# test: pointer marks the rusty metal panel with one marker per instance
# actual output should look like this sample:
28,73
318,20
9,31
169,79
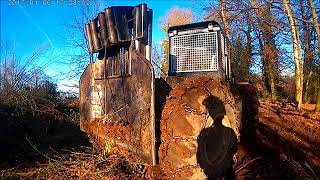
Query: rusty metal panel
89,38
116,66
119,110
110,26
95,35
103,30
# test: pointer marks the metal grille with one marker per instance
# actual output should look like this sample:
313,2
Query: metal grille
119,64
195,52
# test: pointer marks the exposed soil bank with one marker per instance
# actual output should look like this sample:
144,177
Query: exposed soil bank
286,145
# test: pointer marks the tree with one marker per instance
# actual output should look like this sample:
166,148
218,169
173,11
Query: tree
224,18
175,16
236,21
308,55
317,29
24,85
266,24
260,32
297,53
75,38
315,22
240,56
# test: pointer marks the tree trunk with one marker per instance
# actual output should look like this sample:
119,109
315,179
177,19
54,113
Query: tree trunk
317,28
300,63
269,51
308,58
318,99
315,22
224,18
165,63
249,44
297,53
307,88
273,88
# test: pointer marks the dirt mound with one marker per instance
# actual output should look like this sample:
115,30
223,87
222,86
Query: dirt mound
285,146
199,129
111,137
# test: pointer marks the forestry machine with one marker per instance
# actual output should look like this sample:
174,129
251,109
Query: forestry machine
187,121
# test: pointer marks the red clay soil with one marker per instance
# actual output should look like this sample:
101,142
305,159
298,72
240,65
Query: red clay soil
109,134
286,146
286,143
183,119
295,133
175,107
117,138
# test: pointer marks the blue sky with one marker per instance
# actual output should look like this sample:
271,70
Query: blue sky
27,26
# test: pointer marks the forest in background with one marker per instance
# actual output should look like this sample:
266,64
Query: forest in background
273,44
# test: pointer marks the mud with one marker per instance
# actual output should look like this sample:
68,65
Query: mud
185,116
113,137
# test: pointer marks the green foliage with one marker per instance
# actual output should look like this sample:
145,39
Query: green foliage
108,147
266,94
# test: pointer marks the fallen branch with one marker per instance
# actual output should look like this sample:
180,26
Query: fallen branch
34,147
245,165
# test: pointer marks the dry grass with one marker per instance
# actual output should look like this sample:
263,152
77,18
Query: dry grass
79,165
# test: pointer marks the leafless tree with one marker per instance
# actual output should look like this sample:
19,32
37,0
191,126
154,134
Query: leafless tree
24,84
175,16
77,55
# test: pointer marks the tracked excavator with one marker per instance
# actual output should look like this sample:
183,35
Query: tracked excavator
187,121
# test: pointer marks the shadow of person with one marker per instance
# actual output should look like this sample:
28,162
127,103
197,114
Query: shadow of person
216,143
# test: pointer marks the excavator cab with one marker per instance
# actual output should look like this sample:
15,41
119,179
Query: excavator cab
198,48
